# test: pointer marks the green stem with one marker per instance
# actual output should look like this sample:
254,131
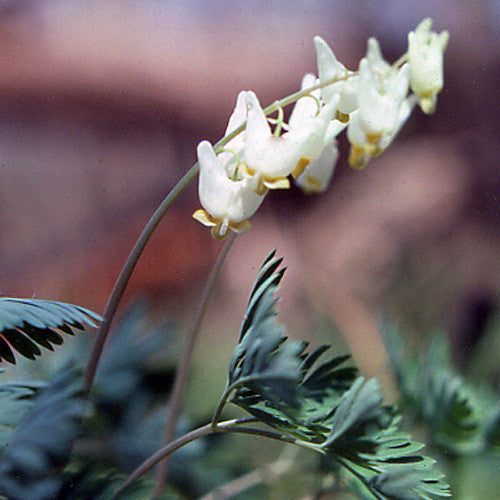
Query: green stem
148,230
182,372
279,124
354,472
230,388
126,272
220,406
229,426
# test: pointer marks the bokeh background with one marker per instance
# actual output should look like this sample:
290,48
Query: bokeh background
102,105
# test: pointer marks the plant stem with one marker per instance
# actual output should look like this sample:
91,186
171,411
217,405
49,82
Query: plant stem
354,472
126,272
220,406
182,372
229,426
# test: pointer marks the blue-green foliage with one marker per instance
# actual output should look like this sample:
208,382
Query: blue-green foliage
459,419
39,423
322,403
15,399
28,324
39,446
131,394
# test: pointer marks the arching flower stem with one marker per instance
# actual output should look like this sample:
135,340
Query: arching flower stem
228,426
187,355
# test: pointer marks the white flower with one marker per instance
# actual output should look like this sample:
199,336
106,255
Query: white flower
318,174
404,113
227,203
425,56
347,88
272,159
360,154
308,106
379,67
382,92
235,147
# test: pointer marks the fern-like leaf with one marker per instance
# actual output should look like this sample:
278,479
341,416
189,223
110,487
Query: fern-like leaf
434,392
41,442
28,324
273,377
321,404
364,433
15,399
262,362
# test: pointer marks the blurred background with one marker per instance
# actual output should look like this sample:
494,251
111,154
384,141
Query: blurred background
102,105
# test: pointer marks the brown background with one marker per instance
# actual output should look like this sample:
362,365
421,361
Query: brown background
102,105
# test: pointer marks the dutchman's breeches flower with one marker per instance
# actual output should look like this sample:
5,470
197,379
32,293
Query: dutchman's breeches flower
378,115
318,173
373,103
425,56
272,159
227,203
233,150
347,86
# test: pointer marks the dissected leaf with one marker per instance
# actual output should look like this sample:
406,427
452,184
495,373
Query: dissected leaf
365,433
435,393
274,377
42,440
15,399
26,324
410,483
263,363
319,402
355,407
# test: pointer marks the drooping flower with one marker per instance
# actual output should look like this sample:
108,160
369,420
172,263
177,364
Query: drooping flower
233,150
425,56
227,204
382,93
308,106
318,173
347,86
379,67
359,155
272,159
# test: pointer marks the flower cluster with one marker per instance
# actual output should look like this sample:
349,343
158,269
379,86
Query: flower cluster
373,103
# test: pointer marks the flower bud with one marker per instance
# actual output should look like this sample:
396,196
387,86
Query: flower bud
425,56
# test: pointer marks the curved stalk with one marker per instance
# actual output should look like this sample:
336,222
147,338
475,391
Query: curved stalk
229,426
220,406
182,372
354,472
126,272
